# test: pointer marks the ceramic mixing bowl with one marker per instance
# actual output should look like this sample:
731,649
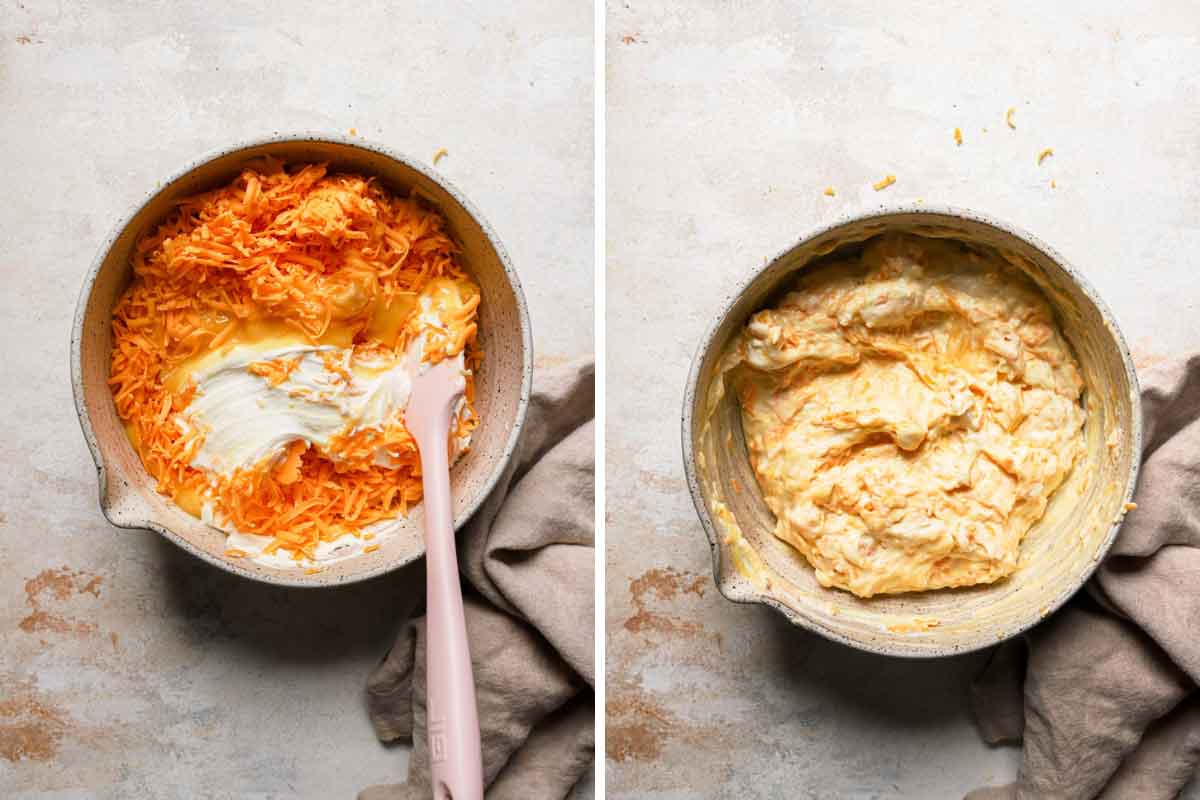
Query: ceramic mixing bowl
1058,554
127,495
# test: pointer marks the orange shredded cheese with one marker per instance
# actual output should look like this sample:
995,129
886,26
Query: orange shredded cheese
958,137
277,371
289,471
828,191
440,154
303,250
887,181
1042,156
1008,118
371,548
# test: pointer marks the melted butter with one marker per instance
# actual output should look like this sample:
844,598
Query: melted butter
132,433
908,416
266,334
447,298
390,317
368,370
190,500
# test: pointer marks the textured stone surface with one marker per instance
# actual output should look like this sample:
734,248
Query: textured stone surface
126,668
726,122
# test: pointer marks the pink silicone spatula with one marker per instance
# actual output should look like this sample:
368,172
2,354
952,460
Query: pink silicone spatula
453,720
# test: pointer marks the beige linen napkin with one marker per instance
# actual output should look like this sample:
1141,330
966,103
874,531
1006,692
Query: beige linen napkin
529,554
1103,694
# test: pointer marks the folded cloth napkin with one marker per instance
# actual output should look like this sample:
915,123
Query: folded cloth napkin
1103,694
529,554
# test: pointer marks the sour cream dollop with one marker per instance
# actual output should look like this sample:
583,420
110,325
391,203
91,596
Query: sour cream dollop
248,421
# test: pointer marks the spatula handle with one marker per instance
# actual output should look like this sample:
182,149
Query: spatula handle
453,722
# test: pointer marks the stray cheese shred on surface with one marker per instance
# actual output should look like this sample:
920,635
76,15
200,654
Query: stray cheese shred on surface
909,412
883,183
263,355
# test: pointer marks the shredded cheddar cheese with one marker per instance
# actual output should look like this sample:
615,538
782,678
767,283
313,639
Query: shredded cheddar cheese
275,372
880,185
958,137
1008,118
828,191
440,154
1042,156
328,258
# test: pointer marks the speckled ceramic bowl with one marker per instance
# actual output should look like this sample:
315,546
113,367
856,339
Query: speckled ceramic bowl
127,495
1058,554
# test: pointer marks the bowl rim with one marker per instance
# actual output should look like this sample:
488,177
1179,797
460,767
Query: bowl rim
249,143
894,646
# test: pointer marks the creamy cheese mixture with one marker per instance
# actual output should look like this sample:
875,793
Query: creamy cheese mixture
909,413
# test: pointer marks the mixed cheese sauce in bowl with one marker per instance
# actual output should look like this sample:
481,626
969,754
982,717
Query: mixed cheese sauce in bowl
914,433
259,323
909,413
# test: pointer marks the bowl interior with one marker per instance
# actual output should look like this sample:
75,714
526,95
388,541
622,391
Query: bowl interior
127,491
1056,556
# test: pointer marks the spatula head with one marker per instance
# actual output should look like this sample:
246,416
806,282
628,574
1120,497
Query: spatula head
436,390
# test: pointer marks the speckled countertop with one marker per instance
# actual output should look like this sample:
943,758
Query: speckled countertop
128,669
726,122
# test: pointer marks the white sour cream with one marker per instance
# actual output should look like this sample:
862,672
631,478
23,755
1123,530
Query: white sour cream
246,421
249,423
